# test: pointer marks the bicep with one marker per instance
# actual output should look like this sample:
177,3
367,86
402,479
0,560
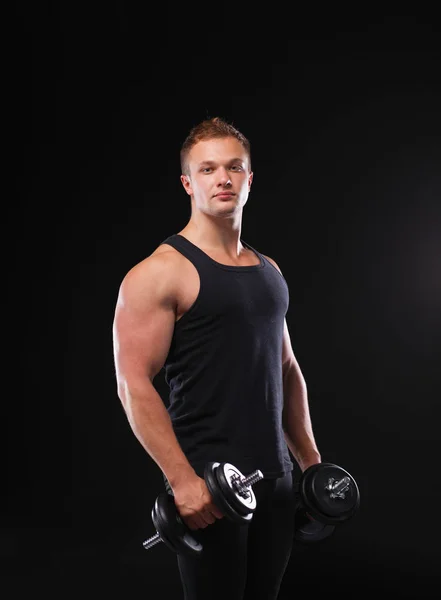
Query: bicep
142,328
289,360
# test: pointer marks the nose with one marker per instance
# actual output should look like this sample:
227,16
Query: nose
224,178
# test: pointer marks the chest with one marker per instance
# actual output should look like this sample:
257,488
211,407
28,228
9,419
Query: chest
223,293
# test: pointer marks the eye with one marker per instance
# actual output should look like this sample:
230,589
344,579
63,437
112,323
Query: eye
206,169
237,168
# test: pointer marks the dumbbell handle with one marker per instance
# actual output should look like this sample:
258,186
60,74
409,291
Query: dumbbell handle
152,541
338,488
242,484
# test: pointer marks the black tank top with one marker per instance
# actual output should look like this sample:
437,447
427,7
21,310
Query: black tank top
224,367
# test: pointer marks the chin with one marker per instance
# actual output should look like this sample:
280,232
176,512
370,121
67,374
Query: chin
225,211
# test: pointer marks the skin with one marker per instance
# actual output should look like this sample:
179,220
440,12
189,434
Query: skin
155,294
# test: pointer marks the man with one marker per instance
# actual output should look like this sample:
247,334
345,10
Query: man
211,310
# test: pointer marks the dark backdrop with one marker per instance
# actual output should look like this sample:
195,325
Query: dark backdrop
343,114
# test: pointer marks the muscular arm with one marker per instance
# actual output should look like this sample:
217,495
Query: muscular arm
142,332
296,416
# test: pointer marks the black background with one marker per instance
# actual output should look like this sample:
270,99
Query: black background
343,115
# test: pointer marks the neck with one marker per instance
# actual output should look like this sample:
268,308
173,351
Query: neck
214,233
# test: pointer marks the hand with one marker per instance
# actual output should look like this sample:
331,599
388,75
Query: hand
308,461
195,503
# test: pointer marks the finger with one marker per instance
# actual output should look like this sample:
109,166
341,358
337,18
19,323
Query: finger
216,512
193,523
196,521
192,520
208,517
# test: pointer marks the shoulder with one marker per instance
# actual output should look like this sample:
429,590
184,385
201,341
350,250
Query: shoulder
273,262
157,273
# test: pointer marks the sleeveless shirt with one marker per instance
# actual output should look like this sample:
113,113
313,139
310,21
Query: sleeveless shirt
224,366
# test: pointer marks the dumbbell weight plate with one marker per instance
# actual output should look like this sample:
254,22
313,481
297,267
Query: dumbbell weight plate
318,500
226,473
310,531
219,498
172,530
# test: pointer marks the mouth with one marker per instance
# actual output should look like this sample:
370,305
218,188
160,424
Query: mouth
224,195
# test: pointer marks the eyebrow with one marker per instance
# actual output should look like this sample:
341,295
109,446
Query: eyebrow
212,162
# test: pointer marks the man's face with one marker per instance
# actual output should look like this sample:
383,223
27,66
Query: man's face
220,177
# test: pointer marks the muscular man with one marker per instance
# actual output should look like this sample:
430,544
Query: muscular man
211,310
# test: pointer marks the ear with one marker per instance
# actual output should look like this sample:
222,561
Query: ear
185,180
250,180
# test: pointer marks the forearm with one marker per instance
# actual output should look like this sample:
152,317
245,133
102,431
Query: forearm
151,424
297,423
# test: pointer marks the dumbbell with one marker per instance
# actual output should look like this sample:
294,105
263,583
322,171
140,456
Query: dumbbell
327,496
170,528
232,493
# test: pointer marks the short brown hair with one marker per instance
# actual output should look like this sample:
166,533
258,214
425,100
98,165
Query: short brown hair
215,127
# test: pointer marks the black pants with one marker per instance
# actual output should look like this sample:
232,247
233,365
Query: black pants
244,562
